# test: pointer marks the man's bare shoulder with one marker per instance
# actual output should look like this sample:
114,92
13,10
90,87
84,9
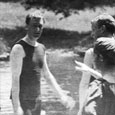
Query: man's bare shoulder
41,45
18,50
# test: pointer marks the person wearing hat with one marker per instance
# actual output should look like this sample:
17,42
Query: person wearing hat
28,65
100,95
102,26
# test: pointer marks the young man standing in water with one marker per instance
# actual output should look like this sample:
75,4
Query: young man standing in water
28,65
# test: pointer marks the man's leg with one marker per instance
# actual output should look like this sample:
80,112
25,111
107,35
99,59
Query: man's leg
29,107
37,108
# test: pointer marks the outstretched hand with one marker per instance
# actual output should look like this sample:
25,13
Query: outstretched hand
81,66
19,111
68,102
84,68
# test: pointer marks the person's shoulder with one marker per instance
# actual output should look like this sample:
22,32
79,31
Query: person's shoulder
89,51
41,45
89,56
17,49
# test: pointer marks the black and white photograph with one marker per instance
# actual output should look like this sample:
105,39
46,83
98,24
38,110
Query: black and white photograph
57,57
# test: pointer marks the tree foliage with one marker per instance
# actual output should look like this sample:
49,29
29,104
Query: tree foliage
64,6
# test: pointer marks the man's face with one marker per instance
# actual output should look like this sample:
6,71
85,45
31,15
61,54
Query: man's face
95,31
35,27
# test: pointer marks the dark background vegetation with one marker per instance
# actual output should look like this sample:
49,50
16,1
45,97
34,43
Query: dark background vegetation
64,6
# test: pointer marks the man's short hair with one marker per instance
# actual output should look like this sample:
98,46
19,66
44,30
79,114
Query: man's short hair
35,14
107,20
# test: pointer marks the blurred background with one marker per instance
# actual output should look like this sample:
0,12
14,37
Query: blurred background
66,36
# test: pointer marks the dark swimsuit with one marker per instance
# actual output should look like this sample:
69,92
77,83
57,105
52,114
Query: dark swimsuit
30,76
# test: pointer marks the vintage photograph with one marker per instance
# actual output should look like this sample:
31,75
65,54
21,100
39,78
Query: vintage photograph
57,57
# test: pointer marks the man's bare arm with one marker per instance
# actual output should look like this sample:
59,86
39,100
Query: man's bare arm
66,100
83,67
16,58
50,79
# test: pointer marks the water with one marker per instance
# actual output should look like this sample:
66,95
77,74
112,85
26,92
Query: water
5,86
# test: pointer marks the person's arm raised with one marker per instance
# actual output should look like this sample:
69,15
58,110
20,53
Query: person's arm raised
84,68
16,60
85,79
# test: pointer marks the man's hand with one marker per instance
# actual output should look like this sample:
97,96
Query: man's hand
19,111
81,67
84,68
68,101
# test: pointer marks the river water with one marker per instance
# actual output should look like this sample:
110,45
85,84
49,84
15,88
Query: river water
5,86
